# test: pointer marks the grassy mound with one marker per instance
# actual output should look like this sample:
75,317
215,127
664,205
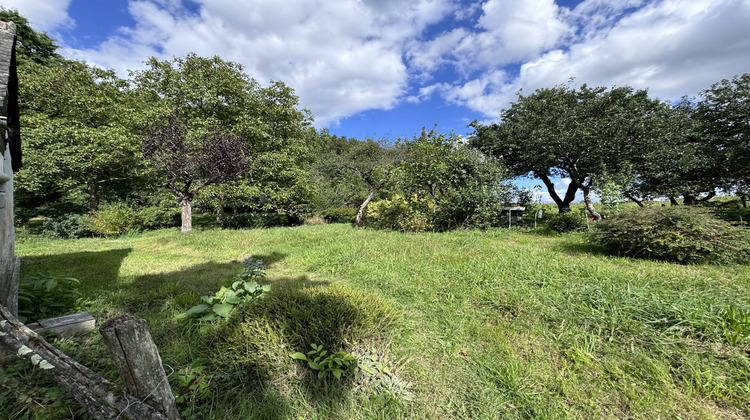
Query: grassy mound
259,339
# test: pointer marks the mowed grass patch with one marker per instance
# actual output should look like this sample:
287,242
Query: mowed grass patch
496,324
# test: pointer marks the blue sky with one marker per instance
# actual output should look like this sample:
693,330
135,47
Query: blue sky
386,68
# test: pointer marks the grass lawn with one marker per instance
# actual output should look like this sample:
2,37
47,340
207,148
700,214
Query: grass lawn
497,324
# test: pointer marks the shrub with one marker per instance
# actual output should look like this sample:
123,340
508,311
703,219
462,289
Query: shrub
259,336
340,214
156,217
69,226
565,222
688,235
314,220
44,296
114,219
400,213
255,220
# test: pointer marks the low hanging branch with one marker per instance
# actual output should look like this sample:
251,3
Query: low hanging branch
101,398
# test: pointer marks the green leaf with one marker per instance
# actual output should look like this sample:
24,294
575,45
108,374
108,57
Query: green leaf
251,287
232,297
207,317
223,309
299,356
337,373
197,309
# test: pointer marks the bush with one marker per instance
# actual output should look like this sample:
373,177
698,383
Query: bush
114,219
259,337
399,213
315,220
69,226
565,222
340,214
687,235
44,296
156,217
255,220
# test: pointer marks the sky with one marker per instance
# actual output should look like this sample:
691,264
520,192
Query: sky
387,68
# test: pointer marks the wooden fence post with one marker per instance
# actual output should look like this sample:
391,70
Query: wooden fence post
10,271
138,362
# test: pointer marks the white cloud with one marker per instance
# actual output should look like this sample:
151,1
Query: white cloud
671,47
44,15
506,32
341,57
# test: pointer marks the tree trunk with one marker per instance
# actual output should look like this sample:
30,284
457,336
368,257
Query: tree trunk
673,201
92,187
689,199
138,362
710,195
743,198
563,205
635,200
187,215
589,204
101,398
361,211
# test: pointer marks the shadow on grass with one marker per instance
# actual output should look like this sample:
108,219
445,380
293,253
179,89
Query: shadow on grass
97,270
583,248
257,344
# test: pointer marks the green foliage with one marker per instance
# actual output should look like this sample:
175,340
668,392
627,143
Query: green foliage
565,222
69,226
114,219
80,143
245,288
255,220
326,363
461,185
735,325
30,44
194,385
295,317
339,214
683,234
44,295
156,217
401,214
583,133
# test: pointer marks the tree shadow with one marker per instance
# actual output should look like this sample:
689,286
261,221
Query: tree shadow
583,248
96,270
299,310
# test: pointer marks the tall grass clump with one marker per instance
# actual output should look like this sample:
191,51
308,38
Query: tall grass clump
681,234
260,336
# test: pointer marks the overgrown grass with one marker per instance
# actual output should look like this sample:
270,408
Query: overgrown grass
496,324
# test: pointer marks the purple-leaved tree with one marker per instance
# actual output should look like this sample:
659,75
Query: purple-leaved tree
189,166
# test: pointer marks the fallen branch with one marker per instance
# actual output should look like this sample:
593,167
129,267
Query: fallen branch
101,398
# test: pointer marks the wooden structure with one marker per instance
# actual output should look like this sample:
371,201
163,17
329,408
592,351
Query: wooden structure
10,147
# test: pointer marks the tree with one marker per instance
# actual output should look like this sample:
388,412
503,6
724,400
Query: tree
31,45
354,171
214,95
588,135
682,163
78,130
189,165
462,184
724,115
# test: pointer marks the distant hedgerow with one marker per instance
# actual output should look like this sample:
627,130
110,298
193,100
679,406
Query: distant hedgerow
687,235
